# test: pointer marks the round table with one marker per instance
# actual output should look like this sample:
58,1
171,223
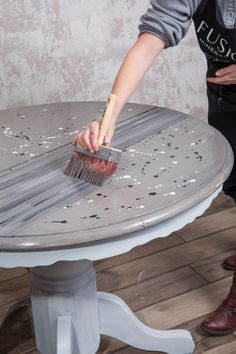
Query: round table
172,167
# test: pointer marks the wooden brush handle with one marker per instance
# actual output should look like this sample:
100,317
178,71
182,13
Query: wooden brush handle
106,118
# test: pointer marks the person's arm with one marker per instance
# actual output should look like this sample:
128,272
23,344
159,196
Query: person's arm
163,25
137,62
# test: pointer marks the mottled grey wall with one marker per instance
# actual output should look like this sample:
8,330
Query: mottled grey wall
70,50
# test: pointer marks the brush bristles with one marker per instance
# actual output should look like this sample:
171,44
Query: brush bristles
90,169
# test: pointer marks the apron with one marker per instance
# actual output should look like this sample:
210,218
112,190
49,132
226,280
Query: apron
219,46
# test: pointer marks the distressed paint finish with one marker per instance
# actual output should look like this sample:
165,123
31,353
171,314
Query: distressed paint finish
170,163
70,50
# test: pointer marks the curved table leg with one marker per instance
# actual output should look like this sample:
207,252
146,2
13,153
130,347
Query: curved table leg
64,335
118,321
69,315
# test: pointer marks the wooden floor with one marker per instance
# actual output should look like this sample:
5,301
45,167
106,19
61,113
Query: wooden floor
170,283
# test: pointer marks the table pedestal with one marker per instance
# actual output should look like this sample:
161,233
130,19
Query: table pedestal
69,315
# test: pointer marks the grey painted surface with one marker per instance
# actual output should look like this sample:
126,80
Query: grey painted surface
65,50
170,163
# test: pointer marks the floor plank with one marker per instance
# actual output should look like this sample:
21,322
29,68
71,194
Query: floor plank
139,252
207,225
222,202
228,348
185,307
156,264
14,289
168,285
28,347
211,268
7,274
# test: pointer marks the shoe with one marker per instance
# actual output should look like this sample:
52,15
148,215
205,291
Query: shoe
223,320
17,326
229,263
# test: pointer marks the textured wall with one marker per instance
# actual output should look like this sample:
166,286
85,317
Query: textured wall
70,50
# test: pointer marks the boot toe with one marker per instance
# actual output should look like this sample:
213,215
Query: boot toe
229,262
219,323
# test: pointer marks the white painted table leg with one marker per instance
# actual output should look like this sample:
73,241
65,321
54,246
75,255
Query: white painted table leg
64,335
69,315
118,321
65,308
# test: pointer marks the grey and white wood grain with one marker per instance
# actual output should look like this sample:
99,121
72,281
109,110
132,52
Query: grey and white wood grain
170,163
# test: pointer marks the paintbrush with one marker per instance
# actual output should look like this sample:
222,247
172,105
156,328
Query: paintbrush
96,168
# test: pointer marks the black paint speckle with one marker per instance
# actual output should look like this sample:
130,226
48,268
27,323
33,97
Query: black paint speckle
22,136
59,221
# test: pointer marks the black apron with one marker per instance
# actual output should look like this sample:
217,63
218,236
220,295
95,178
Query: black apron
219,46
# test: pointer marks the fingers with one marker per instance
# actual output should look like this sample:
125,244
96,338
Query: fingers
228,70
225,76
85,140
225,80
78,140
109,135
228,79
88,138
93,135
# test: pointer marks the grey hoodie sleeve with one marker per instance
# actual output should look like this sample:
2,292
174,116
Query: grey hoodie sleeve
169,19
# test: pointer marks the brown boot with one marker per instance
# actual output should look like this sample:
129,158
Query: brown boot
223,320
229,263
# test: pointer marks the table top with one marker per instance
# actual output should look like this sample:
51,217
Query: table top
170,162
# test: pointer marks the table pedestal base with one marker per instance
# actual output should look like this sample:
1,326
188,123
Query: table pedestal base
69,315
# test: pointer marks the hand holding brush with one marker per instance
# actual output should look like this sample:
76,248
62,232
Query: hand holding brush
93,136
99,166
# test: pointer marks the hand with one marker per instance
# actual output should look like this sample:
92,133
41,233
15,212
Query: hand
88,138
225,76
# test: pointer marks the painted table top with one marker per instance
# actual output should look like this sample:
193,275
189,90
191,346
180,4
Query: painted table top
170,162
